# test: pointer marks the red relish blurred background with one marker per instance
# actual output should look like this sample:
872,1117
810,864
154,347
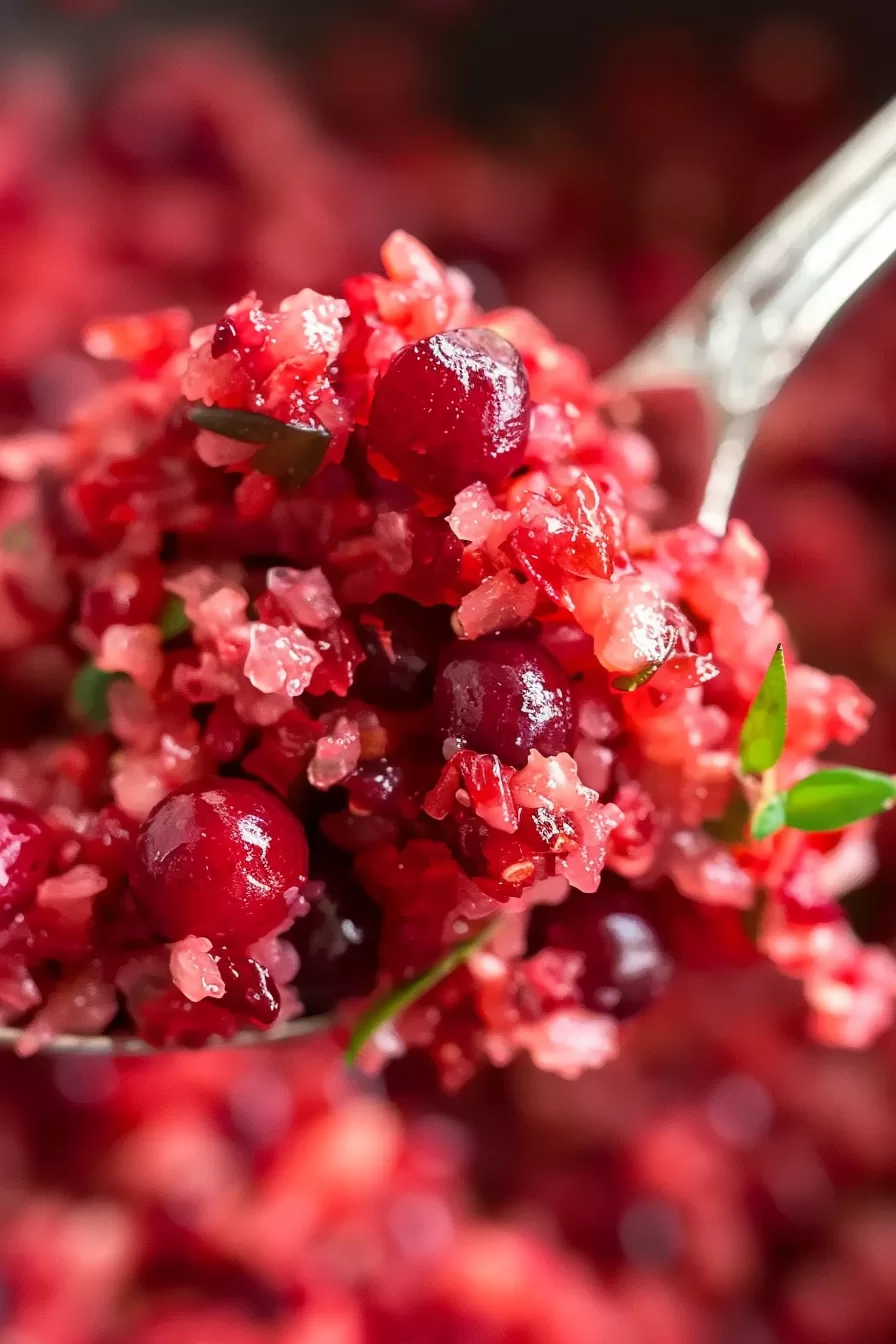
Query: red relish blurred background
724,1181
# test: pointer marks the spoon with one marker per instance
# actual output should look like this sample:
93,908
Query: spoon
704,377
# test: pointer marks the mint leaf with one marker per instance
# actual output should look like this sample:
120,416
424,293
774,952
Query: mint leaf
173,620
89,694
402,996
832,799
765,727
288,450
769,818
637,679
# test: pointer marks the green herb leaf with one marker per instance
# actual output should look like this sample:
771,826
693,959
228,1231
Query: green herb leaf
89,694
831,799
765,727
173,620
769,818
637,679
290,451
394,1003
731,826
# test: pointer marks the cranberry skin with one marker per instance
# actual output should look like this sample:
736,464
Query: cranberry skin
450,410
505,696
249,988
26,848
626,967
216,858
401,642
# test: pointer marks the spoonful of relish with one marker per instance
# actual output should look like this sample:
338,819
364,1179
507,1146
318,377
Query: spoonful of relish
391,708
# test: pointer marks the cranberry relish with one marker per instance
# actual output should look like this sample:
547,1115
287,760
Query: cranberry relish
388,707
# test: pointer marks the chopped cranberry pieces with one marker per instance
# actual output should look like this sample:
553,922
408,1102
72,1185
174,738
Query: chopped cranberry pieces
321,549
217,858
249,988
450,410
504,696
26,848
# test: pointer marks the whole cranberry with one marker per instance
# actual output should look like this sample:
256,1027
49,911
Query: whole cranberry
380,789
626,967
401,642
505,696
216,858
26,847
337,941
450,410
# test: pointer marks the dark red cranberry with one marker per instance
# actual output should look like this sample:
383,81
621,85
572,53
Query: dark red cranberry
26,848
130,598
338,942
380,789
626,967
225,339
450,410
504,696
249,988
401,642
216,858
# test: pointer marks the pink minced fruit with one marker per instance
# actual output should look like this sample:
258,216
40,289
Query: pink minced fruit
382,651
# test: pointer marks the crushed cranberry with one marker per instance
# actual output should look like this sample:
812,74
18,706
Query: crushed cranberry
26,849
249,988
451,649
506,696
450,410
731,1181
219,858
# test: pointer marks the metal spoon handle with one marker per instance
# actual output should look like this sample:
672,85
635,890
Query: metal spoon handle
749,324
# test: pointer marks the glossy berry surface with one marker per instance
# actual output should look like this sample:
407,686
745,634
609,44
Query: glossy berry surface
401,642
249,988
504,696
626,967
450,410
26,847
217,858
